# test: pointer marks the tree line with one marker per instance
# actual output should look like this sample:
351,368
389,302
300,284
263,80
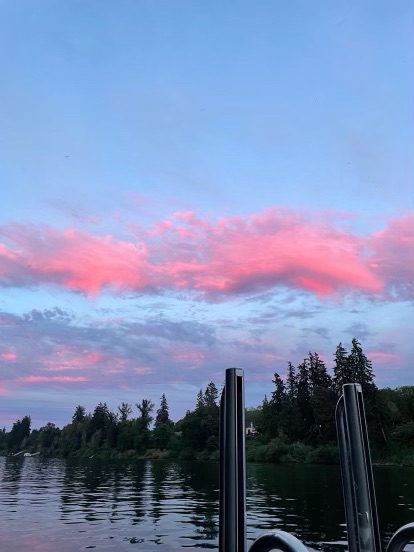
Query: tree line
295,423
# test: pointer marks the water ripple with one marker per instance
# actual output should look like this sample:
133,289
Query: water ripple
93,504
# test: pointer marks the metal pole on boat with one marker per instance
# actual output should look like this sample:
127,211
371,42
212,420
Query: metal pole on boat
232,530
356,469
232,516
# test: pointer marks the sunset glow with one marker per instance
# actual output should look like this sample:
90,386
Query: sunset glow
203,191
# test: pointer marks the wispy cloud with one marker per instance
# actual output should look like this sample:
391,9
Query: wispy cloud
383,357
54,350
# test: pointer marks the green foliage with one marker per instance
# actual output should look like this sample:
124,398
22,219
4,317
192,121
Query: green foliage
404,434
296,425
162,434
297,452
276,449
187,454
19,434
254,416
162,413
408,461
163,430
79,414
124,411
257,453
326,454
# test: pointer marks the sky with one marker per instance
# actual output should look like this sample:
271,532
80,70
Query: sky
187,186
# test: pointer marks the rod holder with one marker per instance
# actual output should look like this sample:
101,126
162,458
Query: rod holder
232,528
356,470
232,516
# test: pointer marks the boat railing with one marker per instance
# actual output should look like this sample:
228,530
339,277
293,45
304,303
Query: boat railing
356,470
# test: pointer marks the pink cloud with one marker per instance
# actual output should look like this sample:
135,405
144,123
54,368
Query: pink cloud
69,358
189,356
393,255
73,259
384,358
143,370
52,379
11,357
216,258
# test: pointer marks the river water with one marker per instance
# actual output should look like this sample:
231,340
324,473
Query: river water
71,505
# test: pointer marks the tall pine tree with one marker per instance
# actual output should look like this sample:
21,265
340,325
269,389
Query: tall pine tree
291,381
342,370
361,367
318,375
162,416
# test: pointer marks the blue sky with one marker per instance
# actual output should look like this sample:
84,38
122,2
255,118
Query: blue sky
187,186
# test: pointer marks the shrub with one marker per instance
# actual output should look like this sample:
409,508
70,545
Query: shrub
257,454
323,455
296,452
186,454
404,434
275,450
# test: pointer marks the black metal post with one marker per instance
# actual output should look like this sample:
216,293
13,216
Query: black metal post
232,529
357,479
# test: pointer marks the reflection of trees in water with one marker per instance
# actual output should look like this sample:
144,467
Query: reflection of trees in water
395,498
160,470
84,488
97,488
141,477
305,500
200,486
12,474
34,475
317,513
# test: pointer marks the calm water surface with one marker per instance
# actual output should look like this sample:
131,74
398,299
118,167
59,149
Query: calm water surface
70,505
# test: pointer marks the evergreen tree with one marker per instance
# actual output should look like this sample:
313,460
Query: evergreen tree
19,433
210,417
79,414
361,367
100,417
323,402
291,381
266,417
163,429
273,408
279,394
49,438
200,428
304,393
342,370
211,395
318,375
200,401
102,428
162,416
